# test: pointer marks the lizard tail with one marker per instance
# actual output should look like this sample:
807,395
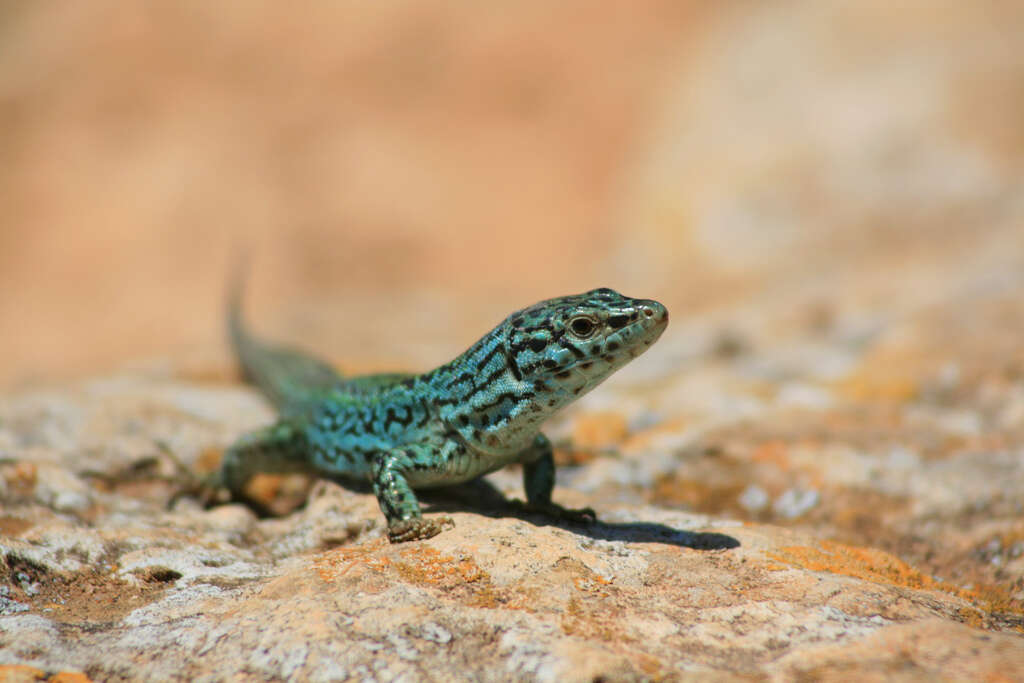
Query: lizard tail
287,377
236,327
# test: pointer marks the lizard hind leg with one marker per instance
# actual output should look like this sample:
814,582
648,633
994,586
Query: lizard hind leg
281,448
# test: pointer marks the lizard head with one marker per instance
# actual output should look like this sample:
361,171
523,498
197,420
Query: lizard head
568,345
538,360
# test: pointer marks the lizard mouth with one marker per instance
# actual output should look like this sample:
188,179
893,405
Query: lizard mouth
641,334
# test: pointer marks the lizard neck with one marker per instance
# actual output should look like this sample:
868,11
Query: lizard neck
483,396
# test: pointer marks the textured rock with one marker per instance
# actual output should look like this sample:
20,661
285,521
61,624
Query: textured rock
126,588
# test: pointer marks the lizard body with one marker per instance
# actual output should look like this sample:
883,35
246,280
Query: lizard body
468,417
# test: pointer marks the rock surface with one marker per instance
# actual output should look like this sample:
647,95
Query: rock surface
102,578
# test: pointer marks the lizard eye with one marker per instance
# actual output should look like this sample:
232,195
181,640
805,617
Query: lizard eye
582,327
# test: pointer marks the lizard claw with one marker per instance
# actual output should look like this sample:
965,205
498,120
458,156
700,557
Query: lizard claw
208,488
418,529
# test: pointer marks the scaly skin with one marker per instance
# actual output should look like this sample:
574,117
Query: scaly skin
471,416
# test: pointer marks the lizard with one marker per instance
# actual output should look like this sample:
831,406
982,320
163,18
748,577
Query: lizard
466,418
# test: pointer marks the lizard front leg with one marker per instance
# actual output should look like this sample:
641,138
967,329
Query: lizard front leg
539,480
390,471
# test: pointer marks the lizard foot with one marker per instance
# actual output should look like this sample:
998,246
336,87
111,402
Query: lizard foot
208,489
581,516
418,529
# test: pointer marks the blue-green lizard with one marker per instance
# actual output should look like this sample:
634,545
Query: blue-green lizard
466,418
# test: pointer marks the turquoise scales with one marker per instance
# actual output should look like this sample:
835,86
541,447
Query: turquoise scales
471,416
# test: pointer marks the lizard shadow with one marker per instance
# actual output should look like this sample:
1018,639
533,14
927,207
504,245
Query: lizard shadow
482,498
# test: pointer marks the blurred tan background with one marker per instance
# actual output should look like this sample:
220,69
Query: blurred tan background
405,174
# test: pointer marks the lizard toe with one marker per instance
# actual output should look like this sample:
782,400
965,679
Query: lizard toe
418,529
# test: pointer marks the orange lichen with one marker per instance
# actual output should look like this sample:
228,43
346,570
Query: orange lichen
417,564
971,616
70,677
881,567
997,677
591,584
772,453
335,564
586,583
20,477
427,565
19,672
998,602
650,665
869,564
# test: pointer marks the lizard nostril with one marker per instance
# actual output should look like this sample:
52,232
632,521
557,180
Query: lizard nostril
647,311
